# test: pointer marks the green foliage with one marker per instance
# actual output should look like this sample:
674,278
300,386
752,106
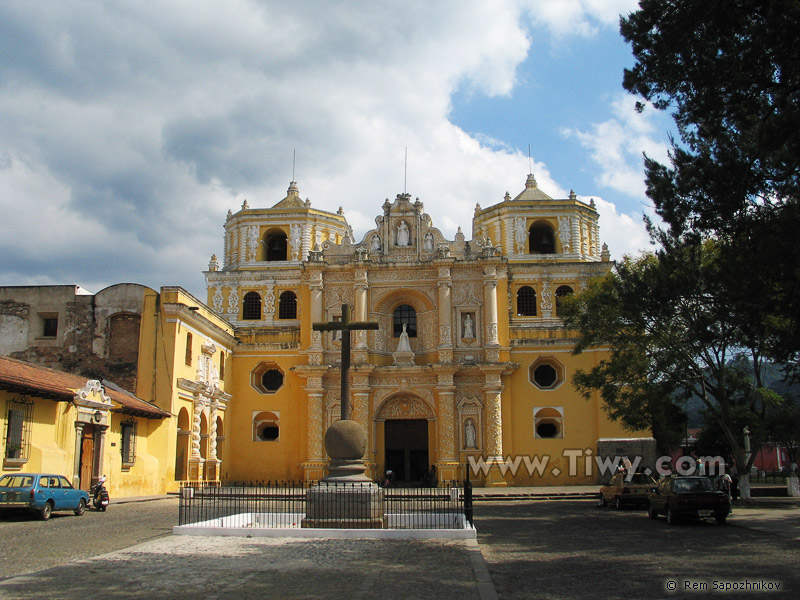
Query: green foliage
729,73
671,335
784,428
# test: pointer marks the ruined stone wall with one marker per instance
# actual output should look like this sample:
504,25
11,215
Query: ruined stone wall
98,335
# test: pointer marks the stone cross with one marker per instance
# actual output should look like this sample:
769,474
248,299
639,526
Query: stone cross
345,326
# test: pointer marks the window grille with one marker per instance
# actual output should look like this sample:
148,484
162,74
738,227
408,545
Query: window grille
251,306
405,314
19,419
287,306
526,301
128,442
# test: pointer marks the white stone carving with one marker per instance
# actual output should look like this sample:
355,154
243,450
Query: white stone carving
403,238
520,235
252,243
564,233
233,301
217,300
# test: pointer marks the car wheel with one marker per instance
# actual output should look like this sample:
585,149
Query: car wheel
652,512
81,507
617,503
671,517
46,511
721,518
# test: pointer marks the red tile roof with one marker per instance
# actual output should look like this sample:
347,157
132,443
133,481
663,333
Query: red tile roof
25,378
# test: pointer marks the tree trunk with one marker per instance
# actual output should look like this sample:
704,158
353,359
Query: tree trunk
744,486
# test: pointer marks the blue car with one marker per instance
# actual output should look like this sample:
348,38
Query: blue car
41,493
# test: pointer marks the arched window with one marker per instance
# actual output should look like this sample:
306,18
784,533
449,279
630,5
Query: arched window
266,426
251,306
287,305
548,422
405,314
276,246
562,291
541,239
526,301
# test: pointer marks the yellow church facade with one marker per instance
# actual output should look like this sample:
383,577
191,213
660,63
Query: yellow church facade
470,365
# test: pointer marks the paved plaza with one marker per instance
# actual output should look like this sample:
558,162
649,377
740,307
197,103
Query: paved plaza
526,548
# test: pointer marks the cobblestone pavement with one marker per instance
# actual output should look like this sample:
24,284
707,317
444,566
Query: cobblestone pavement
29,544
180,567
534,548
574,549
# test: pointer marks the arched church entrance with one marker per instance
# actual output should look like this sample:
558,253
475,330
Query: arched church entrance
406,421
406,442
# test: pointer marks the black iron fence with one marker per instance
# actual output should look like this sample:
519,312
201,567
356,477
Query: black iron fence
325,505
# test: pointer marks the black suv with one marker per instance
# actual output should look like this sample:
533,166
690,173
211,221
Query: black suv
695,497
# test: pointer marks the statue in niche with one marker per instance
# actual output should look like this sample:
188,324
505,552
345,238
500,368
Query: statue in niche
402,234
469,329
404,345
470,435
428,243
375,244
403,356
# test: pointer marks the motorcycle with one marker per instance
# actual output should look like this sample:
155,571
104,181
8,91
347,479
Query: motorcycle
100,494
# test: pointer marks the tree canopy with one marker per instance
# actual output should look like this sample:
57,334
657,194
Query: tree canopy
729,73
671,334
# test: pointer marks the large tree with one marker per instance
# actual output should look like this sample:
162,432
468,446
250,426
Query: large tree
670,332
729,73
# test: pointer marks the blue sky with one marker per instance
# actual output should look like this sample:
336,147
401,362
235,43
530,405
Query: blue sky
128,130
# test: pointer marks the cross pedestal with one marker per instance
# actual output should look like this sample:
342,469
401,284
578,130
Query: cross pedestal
346,498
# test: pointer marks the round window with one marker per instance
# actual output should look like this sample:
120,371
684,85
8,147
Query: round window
272,380
545,376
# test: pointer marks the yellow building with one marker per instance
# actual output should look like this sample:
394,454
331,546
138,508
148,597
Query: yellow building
56,422
483,373
470,365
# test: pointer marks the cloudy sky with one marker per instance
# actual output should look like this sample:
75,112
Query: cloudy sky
128,129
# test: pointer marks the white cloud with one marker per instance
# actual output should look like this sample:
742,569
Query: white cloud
624,233
130,129
577,17
617,145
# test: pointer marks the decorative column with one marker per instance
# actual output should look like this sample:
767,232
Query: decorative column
195,458
490,304
316,292
575,234
493,419
448,461
360,392
212,463
445,316
242,244
361,288
306,244
314,466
